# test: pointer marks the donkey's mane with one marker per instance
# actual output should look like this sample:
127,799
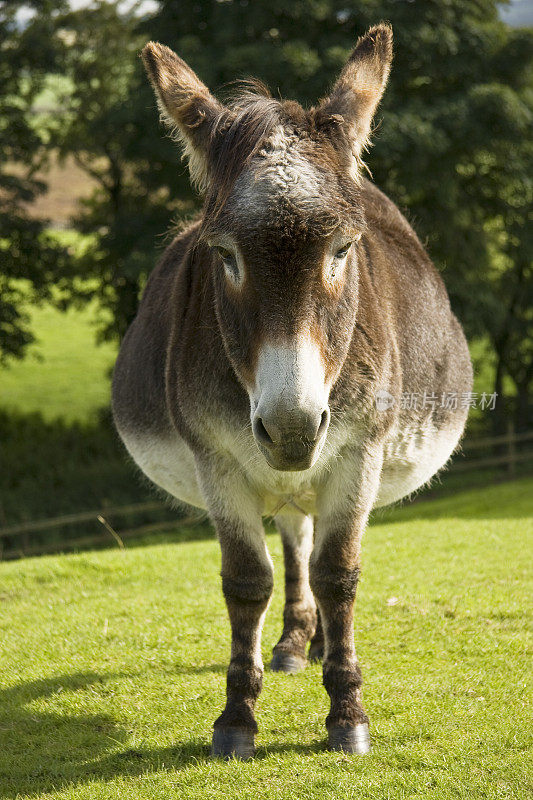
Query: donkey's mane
251,115
249,118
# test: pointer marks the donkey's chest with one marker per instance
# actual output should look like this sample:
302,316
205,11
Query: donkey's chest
411,456
292,494
170,464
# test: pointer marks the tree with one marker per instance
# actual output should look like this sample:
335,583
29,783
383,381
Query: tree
30,260
451,151
108,131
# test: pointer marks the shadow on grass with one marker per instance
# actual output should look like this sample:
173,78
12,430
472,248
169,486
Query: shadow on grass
43,751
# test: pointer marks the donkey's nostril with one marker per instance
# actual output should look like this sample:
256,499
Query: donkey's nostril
324,422
290,437
261,433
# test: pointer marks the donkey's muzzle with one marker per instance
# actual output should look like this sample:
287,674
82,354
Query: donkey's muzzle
291,440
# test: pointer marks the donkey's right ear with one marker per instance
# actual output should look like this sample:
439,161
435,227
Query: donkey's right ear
185,104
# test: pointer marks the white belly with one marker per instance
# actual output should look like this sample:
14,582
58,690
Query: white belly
169,463
412,456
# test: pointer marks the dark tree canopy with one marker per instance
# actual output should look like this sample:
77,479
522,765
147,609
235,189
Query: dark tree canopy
452,144
30,261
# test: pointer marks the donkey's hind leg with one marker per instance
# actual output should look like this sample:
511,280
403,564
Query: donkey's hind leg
299,615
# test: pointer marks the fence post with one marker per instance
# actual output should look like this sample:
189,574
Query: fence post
511,447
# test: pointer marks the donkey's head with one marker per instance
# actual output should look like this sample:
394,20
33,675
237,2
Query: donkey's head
283,217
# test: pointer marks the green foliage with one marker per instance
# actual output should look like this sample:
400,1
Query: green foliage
26,251
110,137
453,149
113,669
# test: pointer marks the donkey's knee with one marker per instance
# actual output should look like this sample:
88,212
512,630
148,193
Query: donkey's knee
334,586
335,589
249,590
247,576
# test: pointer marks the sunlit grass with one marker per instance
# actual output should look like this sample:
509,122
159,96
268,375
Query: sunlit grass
112,667
66,374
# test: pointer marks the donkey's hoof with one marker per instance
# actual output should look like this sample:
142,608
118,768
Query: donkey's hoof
316,652
233,743
350,740
286,662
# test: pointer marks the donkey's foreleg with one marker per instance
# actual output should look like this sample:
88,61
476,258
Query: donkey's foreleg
316,647
299,614
247,583
334,572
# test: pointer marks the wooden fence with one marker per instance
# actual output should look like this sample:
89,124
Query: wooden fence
107,533
503,452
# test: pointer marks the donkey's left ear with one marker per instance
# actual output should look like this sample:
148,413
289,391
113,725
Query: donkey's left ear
358,90
186,105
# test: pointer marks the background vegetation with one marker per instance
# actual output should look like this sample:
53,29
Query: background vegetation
112,664
452,147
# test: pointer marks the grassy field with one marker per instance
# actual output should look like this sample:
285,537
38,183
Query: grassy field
113,668
65,375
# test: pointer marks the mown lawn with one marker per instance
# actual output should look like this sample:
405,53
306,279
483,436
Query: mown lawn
113,668
65,374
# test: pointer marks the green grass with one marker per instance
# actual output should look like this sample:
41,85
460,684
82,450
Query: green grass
66,374
113,669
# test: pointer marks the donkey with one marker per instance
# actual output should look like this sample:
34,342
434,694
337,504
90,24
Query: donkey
293,356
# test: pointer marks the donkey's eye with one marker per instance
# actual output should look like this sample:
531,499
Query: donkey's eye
343,252
224,254
230,264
